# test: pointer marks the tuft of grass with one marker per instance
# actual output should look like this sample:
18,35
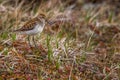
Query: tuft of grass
6,51
87,17
58,63
50,53
83,57
110,18
13,36
4,35
57,42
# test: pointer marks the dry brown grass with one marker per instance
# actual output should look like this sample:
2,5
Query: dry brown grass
81,41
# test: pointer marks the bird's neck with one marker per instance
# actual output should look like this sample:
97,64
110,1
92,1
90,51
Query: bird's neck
41,23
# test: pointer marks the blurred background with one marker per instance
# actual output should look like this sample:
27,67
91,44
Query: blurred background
82,42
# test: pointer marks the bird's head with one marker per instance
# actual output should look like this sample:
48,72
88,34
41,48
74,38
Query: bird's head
41,16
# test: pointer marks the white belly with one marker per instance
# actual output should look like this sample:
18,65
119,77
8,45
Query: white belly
38,29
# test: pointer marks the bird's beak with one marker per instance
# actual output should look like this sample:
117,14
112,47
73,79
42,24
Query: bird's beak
48,22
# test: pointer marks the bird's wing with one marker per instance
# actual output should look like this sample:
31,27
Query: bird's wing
29,25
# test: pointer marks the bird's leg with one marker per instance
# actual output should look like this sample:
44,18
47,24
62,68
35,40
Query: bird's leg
36,46
29,42
34,42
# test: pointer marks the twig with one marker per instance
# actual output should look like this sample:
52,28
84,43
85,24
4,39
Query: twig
72,68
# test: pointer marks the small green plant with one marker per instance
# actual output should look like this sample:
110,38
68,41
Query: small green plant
4,35
110,18
50,55
13,36
6,51
87,17
60,34
58,63
57,44
83,57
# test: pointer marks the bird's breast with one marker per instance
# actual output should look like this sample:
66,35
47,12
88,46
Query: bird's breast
39,28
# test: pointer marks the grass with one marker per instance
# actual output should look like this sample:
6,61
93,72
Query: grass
50,55
83,45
